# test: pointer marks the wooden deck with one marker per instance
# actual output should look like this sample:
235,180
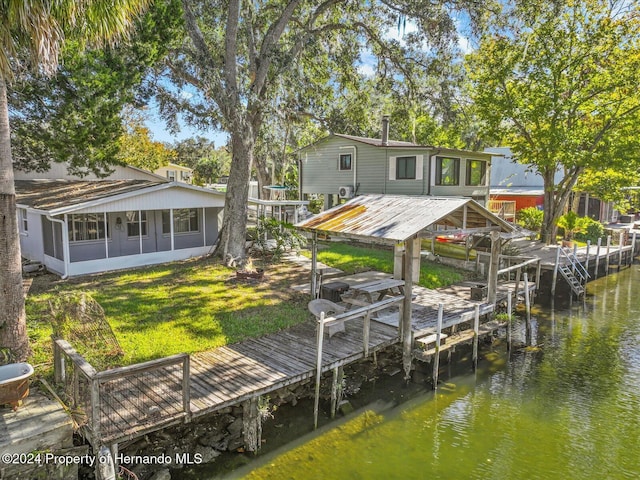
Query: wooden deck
229,375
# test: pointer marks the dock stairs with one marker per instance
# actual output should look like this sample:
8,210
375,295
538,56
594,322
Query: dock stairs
572,271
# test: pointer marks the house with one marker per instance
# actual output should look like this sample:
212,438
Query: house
342,166
77,226
515,186
176,173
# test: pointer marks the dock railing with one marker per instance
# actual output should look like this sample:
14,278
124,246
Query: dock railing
125,402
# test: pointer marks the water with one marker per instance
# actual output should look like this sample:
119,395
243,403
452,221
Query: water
568,408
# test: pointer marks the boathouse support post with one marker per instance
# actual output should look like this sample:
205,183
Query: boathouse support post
407,337
620,246
398,252
608,253
316,403
518,278
538,273
509,323
527,305
492,278
598,257
336,389
314,266
436,355
252,424
554,281
476,329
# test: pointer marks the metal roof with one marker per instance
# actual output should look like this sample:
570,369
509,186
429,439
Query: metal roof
399,217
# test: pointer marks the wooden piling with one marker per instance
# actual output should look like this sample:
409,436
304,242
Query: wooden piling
633,247
620,245
608,253
336,389
586,261
407,337
554,281
316,403
527,309
597,272
314,266
436,356
509,307
476,328
252,424
494,266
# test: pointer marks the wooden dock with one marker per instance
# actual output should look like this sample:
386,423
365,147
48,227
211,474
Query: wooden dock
125,403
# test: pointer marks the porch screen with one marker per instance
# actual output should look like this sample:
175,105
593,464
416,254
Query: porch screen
88,226
185,220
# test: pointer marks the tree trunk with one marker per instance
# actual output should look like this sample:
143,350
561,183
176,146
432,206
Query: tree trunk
549,229
264,177
234,225
13,327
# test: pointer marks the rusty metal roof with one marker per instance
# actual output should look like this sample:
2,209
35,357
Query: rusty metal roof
53,194
399,217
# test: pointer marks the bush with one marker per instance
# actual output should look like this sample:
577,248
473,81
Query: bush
593,231
531,219
283,236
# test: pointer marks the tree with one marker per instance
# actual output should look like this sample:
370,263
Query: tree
240,57
33,34
558,84
135,146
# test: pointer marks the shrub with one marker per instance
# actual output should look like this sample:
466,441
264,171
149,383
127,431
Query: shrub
572,224
282,235
593,231
531,219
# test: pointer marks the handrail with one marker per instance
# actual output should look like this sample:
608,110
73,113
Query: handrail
518,265
579,268
361,311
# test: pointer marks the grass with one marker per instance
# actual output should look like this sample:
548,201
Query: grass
180,307
353,259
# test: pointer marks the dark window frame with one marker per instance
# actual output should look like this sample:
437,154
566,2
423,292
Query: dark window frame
133,223
483,175
405,173
456,172
341,166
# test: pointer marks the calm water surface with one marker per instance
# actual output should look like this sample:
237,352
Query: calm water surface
566,409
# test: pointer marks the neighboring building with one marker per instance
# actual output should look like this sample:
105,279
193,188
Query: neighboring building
176,173
515,186
78,226
342,166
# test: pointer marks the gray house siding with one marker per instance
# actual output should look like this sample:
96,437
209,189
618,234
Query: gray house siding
375,170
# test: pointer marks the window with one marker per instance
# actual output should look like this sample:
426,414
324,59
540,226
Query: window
447,171
405,168
184,176
24,223
87,226
171,175
185,220
136,224
476,171
345,161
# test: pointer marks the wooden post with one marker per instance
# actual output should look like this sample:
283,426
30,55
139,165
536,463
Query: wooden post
365,333
538,273
314,265
509,311
406,310
518,277
186,387
620,245
598,257
633,247
555,273
251,424
415,259
476,328
316,403
527,308
59,373
95,411
336,389
436,357
608,252
492,280
398,252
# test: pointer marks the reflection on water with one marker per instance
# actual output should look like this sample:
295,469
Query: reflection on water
569,409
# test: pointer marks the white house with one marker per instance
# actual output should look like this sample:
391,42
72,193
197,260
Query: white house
79,226
175,173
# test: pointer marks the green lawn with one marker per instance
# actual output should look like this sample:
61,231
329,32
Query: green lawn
354,259
179,307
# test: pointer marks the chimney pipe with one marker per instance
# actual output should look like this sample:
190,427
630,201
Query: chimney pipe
385,130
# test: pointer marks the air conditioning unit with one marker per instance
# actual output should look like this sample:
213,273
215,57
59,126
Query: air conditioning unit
345,192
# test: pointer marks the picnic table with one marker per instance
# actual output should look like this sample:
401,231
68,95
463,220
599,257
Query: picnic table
363,294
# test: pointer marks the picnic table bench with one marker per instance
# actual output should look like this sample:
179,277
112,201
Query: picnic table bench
367,290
